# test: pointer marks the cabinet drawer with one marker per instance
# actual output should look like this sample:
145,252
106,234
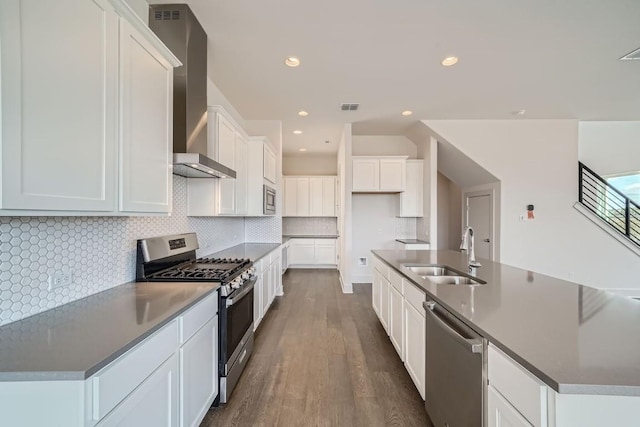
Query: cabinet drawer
302,242
525,392
381,267
116,381
396,281
414,296
197,316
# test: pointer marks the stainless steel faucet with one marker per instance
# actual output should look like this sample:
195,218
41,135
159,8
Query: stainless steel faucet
467,245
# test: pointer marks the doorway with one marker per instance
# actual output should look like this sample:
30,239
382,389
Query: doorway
479,215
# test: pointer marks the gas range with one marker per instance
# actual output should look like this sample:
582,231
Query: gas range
173,259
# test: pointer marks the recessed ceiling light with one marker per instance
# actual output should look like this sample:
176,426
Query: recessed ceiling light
292,61
303,113
519,112
303,149
449,61
297,132
407,113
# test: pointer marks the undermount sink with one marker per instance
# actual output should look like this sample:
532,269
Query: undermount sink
432,270
443,275
453,280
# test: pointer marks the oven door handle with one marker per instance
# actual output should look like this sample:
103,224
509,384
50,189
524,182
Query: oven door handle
245,290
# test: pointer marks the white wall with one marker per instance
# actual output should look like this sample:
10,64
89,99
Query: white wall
427,149
610,148
310,165
536,163
449,213
344,208
383,145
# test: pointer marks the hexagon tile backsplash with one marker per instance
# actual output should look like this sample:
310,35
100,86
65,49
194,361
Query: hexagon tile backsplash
99,252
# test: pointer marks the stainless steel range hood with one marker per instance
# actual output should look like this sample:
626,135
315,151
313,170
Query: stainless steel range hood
179,29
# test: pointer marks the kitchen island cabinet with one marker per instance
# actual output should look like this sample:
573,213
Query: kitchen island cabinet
545,368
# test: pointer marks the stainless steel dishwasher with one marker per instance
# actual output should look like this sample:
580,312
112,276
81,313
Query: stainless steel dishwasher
455,370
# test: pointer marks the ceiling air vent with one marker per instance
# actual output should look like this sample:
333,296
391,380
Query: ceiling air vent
167,15
349,107
631,56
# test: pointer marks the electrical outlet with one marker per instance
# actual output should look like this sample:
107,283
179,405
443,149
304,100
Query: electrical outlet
362,261
60,279
522,217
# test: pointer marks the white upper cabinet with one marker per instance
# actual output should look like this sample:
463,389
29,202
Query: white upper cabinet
59,105
147,130
74,73
313,196
241,176
262,170
411,200
269,166
227,144
379,174
366,174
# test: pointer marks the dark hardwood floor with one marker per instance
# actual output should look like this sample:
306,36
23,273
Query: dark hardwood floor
322,358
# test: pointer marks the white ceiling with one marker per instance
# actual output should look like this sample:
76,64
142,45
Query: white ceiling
556,59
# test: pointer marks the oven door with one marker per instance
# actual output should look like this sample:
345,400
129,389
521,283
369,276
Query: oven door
269,200
237,325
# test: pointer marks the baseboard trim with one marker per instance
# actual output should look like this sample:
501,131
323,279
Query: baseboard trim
347,288
364,278
606,228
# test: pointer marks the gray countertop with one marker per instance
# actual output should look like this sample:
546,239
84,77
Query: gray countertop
575,338
252,251
413,241
310,236
75,340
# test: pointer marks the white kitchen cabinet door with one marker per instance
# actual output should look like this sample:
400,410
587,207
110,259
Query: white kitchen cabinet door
266,284
325,251
257,301
290,197
302,251
396,325
269,167
366,175
279,272
384,303
315,196
241,207
329,196
59,105
392,174
501,413
146,138
411,199
302,197
153,403
375,292
226,141
199,374
414,345
273,283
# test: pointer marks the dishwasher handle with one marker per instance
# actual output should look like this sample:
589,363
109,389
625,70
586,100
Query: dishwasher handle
473,345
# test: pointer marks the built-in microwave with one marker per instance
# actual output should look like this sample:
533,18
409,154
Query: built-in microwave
269,198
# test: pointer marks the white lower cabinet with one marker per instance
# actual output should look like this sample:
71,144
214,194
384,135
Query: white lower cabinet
396,325
398,304
199,377
384,303
500,413
415,345
152,403
268,284
375,292
312,252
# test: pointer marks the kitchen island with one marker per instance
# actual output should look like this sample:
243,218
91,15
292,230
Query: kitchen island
581,343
